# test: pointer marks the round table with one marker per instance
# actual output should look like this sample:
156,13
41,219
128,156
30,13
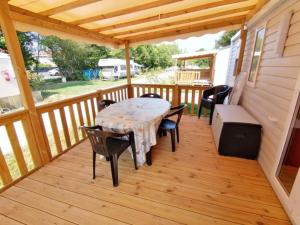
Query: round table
140,115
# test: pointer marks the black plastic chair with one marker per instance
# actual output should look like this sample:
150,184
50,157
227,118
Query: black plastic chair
150,95
212,96
104,103
172,126
111,145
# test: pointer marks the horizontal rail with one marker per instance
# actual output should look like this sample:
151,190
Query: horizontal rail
13,116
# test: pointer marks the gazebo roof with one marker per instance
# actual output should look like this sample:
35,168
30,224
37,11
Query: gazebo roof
114,22
195,55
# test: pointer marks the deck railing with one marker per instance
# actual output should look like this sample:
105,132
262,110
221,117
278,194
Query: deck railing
25,155
61,123
176,94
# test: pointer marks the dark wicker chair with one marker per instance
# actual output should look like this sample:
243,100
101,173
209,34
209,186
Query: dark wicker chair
111,145
150,95
172,126
104,103
212,96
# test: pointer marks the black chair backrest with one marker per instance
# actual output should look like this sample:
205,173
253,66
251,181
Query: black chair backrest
150,95
98,138
219,92
177,110
104,103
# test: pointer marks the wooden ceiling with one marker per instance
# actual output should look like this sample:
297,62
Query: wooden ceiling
115,22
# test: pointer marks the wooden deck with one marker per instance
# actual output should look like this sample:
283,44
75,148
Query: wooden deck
194,185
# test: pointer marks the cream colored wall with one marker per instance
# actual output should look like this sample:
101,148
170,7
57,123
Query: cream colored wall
271,98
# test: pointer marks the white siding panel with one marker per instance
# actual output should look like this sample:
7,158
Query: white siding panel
272,94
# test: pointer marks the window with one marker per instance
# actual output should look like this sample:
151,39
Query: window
257,51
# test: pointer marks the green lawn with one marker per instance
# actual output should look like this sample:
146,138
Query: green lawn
56,91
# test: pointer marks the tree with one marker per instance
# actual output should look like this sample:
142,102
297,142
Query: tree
154,56
225,39
26,40
70,57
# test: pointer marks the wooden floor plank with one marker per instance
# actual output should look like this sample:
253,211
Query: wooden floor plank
193,185
7,221
193,194
57,208
105,208
28,215
187,203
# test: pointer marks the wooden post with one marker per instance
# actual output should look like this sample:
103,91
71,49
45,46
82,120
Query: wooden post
15,52
242,49
128,72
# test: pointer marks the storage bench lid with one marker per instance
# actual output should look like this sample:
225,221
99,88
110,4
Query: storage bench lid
234,114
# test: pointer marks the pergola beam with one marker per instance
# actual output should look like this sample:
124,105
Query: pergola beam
185,21
187,29
121,12
180,12
66,7
36,19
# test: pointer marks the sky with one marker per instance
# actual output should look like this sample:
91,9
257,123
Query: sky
193,44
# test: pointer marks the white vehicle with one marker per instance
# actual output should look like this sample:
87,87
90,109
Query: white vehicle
116,68
53,72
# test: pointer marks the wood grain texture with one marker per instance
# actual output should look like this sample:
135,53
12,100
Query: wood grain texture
184,187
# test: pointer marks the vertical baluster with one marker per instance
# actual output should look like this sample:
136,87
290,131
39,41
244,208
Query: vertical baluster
200,97
119,95
193,102
161,92
55,131
14,141
4,170
80,117
65,126
36,158
73,121
138,91
186,99
87,112
114,96
93,109
167,94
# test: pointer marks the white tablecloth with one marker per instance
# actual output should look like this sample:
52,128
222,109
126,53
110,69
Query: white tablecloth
140,115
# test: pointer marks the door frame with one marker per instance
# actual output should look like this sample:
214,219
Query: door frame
289,201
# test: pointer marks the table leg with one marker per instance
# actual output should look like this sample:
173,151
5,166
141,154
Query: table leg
149,157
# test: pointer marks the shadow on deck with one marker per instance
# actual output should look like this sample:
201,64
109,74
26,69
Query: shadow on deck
194,185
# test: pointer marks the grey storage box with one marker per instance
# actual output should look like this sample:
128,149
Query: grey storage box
236,132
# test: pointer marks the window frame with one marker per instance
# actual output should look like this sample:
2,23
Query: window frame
253,83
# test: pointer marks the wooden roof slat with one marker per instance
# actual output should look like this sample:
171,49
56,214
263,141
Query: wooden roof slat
187,29
170,14
28,17
184,21
121,12
258,7
67,6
